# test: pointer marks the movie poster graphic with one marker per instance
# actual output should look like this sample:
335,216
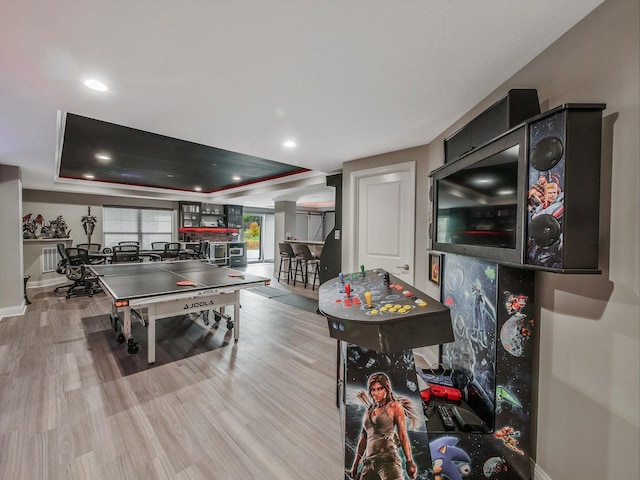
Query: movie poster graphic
400,369
491,362
545,198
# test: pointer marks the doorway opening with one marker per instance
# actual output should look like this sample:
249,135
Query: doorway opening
259,234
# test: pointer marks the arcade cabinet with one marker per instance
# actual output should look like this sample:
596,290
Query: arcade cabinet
377,320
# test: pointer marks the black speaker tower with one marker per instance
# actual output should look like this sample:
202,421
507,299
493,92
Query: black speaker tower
564,188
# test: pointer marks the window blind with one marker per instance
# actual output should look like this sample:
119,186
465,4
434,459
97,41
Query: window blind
143,225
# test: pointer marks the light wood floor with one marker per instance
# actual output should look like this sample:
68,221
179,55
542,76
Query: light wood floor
260,409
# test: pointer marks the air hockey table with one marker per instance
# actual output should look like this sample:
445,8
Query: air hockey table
167,289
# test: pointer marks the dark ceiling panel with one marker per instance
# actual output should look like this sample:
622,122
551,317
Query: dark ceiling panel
147,159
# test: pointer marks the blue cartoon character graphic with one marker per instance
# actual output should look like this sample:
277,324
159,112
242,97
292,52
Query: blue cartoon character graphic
449,461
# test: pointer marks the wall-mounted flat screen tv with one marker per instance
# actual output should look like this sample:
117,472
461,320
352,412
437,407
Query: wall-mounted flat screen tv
479,201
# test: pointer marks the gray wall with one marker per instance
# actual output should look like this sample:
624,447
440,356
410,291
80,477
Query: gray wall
588,371
72,206
11,285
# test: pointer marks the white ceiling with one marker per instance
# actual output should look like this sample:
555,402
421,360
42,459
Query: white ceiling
345,79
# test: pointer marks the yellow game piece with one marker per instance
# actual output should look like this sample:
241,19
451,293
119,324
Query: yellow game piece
422,304
374,312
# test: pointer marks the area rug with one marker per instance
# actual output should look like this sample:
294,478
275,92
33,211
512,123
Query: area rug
299,301
269,292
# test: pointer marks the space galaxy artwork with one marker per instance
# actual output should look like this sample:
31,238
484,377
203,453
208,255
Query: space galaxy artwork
491,362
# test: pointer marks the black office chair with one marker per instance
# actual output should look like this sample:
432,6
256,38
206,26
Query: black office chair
171,251
158,246
304,259
84,281
90,247
61,268
125,253
129,242
287,256
203,250
93,248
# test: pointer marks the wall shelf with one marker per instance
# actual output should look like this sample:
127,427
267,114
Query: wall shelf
207,230
57,240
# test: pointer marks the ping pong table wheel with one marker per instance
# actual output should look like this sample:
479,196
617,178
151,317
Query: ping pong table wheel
230,325
216,320
120,338
132,347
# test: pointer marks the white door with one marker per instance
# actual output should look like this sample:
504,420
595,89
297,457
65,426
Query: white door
385,210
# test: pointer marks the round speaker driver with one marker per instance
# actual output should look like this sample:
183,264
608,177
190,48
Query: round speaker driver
546,153
545,230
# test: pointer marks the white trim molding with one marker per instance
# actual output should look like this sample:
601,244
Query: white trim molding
537,473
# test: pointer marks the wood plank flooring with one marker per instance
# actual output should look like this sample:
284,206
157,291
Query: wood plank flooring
260,409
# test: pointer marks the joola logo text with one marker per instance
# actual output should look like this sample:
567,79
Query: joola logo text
199,304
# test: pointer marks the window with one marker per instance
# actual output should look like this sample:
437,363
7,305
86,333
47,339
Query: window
143,225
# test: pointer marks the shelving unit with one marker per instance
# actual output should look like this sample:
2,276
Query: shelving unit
233,215
190,214
213,215
208,218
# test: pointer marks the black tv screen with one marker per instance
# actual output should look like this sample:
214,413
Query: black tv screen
479,201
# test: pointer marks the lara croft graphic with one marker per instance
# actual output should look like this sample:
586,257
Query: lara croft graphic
384,425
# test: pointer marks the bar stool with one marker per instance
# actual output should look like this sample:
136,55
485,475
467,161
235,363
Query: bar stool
286,257
304,258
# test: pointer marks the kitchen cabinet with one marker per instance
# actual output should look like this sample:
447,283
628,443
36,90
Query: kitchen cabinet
233,215
190,214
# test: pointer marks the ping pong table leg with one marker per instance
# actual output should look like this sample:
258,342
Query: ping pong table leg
151,335
126,325
236,316
114,317
132,347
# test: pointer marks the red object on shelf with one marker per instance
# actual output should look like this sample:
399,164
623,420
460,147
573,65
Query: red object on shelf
425,394
450,393
207,230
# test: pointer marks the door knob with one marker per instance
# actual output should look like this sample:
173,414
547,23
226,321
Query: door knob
404,267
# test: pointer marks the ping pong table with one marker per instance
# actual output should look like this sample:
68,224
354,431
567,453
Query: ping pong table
154,286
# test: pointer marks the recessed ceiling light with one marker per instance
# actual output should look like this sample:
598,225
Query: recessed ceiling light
483,181
89,176
289,144
103,156
169,175
94,84
197,189
236,178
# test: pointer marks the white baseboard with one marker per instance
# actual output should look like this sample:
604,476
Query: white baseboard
537,473
46,282
13,311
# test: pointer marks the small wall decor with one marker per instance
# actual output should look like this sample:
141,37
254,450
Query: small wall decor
434,268
59,228
30,225
45,231
88,223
